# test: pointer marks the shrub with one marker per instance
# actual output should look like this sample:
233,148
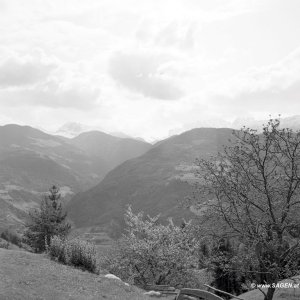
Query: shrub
82,254
56,250
152,253
74,252
4,244
11,237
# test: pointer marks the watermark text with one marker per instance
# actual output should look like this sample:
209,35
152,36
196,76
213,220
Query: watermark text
279,285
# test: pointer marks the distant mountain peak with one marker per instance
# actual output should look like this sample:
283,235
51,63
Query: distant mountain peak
120,135
126,136
72,129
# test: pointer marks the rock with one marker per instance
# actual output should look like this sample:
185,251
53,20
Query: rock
112,276
153,294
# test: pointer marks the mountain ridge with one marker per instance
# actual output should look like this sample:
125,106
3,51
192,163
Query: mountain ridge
32,160
154,182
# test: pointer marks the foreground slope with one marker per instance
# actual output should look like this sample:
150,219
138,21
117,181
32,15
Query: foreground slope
154,182
29,276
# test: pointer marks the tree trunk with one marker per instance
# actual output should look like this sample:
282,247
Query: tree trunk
270,293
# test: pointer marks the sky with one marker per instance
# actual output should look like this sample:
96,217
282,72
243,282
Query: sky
148,68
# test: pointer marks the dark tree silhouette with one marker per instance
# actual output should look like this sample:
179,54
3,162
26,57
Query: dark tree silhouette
47,221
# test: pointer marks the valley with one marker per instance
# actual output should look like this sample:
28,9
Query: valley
31,161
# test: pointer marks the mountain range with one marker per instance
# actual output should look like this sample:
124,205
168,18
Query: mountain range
73,129
100,174
154,182
158,180
31,161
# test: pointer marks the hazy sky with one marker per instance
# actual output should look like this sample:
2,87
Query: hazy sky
148,67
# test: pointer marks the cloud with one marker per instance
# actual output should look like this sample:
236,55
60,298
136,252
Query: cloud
180,35
53,95
37,80
16,72
103,62
268,89
176,34
142,73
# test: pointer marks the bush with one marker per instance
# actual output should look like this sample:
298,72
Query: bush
82,254
4,244
152,253
56,250
75,252
11,237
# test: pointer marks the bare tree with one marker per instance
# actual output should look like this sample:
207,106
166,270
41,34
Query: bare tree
253,189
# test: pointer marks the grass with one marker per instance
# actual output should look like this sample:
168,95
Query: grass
25,275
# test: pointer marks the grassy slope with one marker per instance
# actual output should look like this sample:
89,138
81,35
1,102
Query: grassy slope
25,275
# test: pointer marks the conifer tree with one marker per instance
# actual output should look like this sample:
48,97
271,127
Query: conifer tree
47,221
